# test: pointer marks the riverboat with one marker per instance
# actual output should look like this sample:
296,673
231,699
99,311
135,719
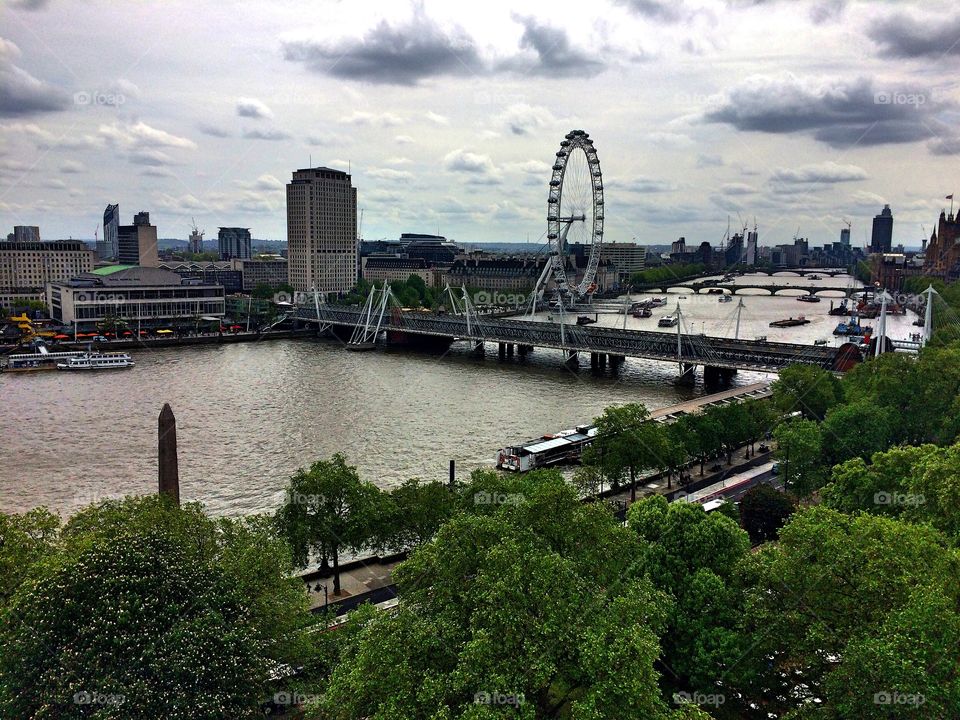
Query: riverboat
32,362
97,361
562,447
789,322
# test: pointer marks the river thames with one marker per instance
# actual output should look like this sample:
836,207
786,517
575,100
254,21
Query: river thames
249,415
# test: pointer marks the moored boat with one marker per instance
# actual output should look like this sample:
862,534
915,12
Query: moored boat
97,361
789,322
31,362
808,298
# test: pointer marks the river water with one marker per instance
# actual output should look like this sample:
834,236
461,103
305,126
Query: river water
249,415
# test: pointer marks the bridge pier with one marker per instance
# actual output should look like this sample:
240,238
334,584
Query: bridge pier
687,376
572,361
502,350
717,376
509,349
598,361
524,349
616,360
478,350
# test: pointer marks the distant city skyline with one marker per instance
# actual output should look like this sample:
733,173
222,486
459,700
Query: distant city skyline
856,107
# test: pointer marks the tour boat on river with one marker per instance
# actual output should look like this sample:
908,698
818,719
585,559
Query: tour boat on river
97,361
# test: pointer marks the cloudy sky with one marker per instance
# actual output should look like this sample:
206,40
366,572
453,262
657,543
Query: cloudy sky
798,114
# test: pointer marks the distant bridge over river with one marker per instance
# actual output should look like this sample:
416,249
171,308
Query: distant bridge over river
699,288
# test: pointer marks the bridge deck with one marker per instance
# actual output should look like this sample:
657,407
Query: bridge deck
694,349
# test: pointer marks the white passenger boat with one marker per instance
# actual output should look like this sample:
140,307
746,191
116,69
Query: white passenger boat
97,361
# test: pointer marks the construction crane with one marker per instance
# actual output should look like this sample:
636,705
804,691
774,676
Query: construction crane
846,222
195,243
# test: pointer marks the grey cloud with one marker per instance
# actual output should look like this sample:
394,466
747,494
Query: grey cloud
839,113
153,158
401,54
72,167
252,108
552,55
827,10
213,130
820,12
642,185
904,36
30,4
20,92
268,134
949,145
709,161
826,172
664,10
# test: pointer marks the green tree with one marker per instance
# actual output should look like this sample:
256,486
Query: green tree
512,603
733,424
807,389
857,429
627,442
827,603
412,513
263,291
159,610
692,555
24,540
763,511
327,509
761,418
701,435
799,447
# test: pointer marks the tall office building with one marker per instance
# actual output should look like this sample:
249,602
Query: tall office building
108,248
322,230
25,233
137,243
882,237
27,266
751,254
845,237
234,242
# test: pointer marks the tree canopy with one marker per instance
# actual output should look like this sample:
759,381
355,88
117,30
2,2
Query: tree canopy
143,609
523,608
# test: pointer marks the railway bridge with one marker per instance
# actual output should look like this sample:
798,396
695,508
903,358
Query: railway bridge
699,288
720,357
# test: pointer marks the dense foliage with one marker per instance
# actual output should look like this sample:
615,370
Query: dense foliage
667,273
142,609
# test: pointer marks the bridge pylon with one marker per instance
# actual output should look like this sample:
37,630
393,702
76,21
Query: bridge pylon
365,333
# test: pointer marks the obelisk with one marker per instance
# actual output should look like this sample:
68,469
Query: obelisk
168,472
